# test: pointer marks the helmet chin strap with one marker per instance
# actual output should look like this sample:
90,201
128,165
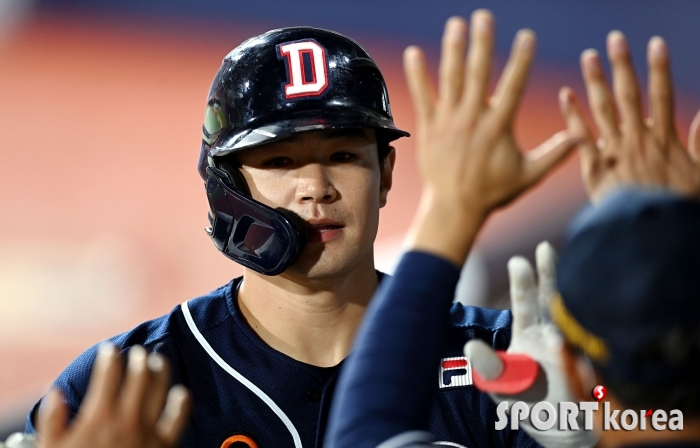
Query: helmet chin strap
261,238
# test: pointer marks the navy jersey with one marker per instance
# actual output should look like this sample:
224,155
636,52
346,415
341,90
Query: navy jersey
244,390
409,326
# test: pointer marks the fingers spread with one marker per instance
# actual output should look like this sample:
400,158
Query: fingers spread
694,138
452,60
625,82
511,85
419,84
483,359
523,294
546,259
576,123
599,97
479,60
660,90
53,416
174,417
588,150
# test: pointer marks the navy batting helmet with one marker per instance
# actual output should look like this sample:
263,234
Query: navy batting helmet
270,87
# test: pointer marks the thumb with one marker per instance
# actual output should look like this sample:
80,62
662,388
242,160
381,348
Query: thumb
694,138
483,359
542,159
53,417
174,417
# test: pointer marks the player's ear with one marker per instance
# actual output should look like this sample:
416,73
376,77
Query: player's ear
387,173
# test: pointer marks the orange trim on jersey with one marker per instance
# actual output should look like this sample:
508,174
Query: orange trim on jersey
239,438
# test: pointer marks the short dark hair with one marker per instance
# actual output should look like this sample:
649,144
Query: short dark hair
677,350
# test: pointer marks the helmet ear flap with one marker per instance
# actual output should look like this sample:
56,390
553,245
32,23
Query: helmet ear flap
234,176
249,232
238,181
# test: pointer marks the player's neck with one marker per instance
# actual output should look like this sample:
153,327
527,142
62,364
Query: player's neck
313,322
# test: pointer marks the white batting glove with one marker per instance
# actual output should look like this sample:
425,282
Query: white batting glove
534,335
19,440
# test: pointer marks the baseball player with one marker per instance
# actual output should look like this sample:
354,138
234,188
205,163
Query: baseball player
372,408
296,161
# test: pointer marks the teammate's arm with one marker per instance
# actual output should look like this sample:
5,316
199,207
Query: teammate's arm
470,165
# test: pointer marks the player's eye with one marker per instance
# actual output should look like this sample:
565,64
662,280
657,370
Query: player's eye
343,156
278,162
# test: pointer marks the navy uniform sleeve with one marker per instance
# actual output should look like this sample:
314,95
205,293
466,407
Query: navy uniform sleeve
376,401
73,381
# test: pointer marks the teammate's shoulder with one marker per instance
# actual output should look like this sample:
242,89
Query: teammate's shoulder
484,318
472,322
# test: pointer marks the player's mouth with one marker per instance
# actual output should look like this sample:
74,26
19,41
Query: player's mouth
323,230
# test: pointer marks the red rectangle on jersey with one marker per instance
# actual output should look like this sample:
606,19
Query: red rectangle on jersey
454,364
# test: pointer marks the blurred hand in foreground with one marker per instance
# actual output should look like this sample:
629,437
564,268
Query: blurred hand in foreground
141,413
631,149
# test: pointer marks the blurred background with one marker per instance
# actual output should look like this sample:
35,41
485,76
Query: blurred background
102,212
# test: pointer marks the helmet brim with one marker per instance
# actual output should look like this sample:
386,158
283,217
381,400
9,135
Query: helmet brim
341,118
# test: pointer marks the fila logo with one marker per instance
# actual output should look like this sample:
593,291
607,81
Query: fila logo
307,68
455,372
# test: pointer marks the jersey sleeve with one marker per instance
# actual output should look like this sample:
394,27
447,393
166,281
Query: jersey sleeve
73,381
381,394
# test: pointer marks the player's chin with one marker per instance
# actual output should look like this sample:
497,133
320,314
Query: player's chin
326,259
318,269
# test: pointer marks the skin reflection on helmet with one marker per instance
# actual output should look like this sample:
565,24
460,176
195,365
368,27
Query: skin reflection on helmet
214,122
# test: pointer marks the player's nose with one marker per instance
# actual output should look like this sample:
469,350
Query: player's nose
314,185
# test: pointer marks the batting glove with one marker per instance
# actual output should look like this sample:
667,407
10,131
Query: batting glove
535,336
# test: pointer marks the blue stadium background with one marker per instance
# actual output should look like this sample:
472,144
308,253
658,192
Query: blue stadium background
101,209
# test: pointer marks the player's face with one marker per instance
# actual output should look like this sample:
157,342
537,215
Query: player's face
333,180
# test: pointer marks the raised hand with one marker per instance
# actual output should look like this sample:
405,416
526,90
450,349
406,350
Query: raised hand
631,149
468,155
535,335
140,414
